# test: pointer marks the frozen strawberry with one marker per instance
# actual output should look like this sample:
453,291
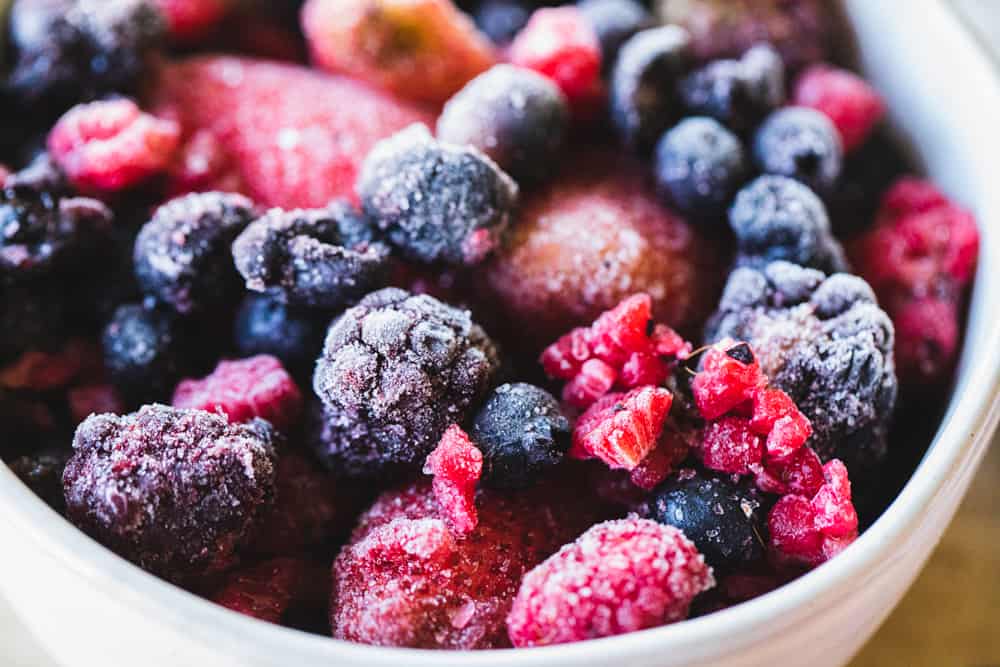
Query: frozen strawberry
191,20
423,50
621,429
845,98
293,140
264,591
456,465
112,145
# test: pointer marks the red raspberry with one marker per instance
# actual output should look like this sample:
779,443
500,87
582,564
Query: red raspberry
93,399
801,473
456,464
730,375
728,445
264,591
190,20
423,50
620,576
845,98
669,452
561,44
622,428
594,380
203,165
294,142
623,330
244,389
776,416
564,358
111,145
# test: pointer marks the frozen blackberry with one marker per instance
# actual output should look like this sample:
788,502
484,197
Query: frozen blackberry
515,116
725,520
42,473
395,371
42,233
322,258
501,20
68,50
642,94
176,492
521,431
266,325
824,342
737,93
802,144
614,21
699,166
779,218
182,254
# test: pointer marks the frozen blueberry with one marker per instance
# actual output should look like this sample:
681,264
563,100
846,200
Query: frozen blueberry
513,115
775,217
725,520
500,20
737,93
436,202
395,371
642,89
699,166
176,492
182,254
323,258
824,342
266,325
521,431
802,144
614,21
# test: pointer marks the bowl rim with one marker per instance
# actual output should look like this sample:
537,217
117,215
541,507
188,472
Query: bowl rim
965,429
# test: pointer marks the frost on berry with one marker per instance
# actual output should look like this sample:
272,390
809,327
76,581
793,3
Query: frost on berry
850,102
622,428
728,445
456,465
729,376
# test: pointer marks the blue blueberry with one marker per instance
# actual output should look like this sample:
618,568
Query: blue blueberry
802,144
614,21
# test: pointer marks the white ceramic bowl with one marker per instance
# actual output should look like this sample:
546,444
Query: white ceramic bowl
88,607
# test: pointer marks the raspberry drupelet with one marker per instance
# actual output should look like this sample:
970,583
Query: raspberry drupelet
456,464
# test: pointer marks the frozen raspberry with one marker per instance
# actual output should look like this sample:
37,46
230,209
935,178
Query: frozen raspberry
522,432
174,491
562,45
93,399
38,370
182,255
594,379
729,376
190,20
670,451
800,472
112,145
824,342
264,591
776,416
266,325
436,202
622,428
516,117
293,141
724,519
456,464
642,97
405,580
614,22
258,387
728,445
620,576
845,98
321,258
202,164
42,473
395,371
418,49
800,143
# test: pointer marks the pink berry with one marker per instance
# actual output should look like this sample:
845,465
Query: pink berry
620,576
801,473
623,330
728,445
669,452
595,379
202,165
845,98
191,20
563,359
730,375
264,591
622,428
457,465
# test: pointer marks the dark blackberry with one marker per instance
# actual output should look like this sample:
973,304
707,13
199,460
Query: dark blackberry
726,520
827,344
266,325
395,371
513,115
780,218
614,21
802,144
182,254
41,233
70,50
176,492
699,167
500,20
642,94
521,431
304,259
42,473
435,201
737,93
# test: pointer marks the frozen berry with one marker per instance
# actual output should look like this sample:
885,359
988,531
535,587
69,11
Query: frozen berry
456,464
699,167
775,217
670,451
501,20
418,49
42,473
824,342
800,143
622,428
264,591
41,174
728,445
322,258
868,172
845,98
201,164
513,115
182,255
522,432
620,576
614,22
737,93
33,316
642,97
560,43
175,491
190,20
395,371
435,201
725,520
92,399
730,375
266,325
